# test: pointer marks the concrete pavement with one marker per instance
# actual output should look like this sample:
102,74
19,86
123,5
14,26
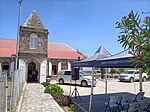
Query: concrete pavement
35,100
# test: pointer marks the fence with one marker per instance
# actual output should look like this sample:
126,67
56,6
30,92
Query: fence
9,95
3,92
16,87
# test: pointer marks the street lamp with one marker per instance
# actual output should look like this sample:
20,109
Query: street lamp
17,44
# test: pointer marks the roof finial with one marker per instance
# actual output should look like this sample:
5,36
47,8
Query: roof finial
33,10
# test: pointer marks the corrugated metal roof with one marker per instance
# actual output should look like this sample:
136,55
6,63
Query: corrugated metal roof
7,43
59,47
55,50
7,47
64,54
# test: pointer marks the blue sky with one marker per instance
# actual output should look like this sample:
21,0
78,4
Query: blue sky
83,24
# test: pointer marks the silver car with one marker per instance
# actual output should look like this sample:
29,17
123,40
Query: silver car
132,75
64,76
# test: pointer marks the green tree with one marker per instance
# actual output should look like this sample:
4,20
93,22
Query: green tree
113,70
121,70
135,35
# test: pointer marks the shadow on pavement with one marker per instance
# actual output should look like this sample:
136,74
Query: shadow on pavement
98,101
77,85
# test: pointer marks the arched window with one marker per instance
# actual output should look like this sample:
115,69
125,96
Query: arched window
33,41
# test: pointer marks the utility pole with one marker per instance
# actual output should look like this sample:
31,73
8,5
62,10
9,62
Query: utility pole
18,35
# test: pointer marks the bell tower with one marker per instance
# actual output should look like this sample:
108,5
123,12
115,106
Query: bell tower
33,41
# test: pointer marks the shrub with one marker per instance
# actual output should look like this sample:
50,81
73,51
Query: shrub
53,89
62,100
72,107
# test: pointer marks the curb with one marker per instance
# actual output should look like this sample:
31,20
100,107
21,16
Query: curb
57,105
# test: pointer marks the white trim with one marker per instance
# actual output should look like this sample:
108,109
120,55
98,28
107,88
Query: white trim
50,68
22,66
69,66
59,66
43,72
12,69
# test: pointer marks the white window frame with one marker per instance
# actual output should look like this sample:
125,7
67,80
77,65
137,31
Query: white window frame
33,44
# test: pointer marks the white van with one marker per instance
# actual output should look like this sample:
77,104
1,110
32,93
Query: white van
132,75
64,76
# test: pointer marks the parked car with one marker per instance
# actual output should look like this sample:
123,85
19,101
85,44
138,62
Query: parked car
132,75
64,76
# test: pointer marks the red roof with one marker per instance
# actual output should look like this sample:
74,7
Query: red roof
7,47
55,50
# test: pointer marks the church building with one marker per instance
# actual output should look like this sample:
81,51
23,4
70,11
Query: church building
36,55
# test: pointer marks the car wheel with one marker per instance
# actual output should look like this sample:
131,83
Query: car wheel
144,79
61,81
131,79
120,80
84,83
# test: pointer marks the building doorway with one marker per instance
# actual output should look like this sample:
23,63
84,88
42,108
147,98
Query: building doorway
54,69
5,68
32,72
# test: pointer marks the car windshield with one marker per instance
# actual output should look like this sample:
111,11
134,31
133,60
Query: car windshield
83,73
128,72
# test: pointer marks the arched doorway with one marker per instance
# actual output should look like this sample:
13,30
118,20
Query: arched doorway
32,72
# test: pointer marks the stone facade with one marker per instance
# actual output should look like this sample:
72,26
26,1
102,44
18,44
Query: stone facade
33,21
24,40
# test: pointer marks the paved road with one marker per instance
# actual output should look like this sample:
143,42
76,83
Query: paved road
35,100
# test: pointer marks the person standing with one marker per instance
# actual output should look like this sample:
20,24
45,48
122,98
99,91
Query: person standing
36,75
33,75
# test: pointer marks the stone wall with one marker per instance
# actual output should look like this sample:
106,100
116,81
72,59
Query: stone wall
33,56
6,60
24,40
